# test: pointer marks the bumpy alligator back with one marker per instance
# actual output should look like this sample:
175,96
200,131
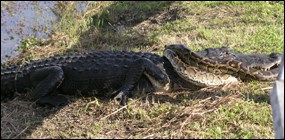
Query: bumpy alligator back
17,77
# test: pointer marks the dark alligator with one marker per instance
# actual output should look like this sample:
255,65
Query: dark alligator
95,73
110,74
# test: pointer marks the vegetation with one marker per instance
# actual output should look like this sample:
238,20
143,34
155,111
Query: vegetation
239,111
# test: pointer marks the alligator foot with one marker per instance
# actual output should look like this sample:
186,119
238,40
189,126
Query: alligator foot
139,67
47,80
53,100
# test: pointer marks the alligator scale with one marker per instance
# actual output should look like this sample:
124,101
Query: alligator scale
118,74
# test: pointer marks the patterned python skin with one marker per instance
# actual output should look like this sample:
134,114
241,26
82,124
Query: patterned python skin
203,71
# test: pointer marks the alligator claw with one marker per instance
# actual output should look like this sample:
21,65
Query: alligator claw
121,98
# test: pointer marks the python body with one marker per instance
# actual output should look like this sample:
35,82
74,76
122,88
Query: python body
223,68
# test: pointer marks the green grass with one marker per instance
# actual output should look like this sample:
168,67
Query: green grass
226,24
240,121
239,112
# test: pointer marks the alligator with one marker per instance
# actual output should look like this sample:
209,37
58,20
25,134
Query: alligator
117,74
258,61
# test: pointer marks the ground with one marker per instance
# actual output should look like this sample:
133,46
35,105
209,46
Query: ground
235,111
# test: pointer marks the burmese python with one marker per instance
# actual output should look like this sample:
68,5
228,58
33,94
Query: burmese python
202,70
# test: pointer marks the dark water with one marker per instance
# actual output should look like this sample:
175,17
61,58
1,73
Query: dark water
25,19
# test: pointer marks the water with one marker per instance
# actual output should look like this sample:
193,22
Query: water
25,19
21,20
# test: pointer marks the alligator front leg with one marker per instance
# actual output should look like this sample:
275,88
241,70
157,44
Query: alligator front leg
158,78
46,80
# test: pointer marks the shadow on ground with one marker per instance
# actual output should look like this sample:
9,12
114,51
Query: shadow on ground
115,27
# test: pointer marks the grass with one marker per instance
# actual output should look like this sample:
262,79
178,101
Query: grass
241,111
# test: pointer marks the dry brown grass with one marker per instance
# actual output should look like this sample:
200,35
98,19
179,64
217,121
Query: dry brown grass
145,116
24,119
